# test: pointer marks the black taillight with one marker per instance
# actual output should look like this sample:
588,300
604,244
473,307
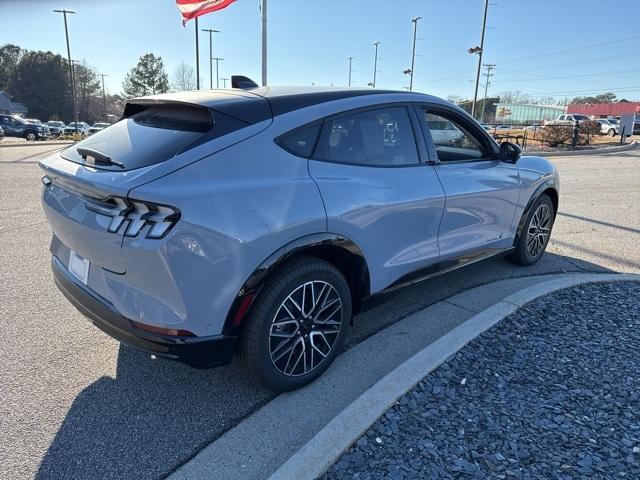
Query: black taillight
134,215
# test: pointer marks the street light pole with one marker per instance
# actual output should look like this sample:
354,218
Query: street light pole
224,80
211,32
197,57
264,43
218,59
413,53
350,60
104,96
480,51
73,85
375,64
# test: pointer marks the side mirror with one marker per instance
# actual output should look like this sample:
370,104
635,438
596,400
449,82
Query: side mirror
509,152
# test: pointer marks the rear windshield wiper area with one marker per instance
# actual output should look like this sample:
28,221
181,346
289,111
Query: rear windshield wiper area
94,157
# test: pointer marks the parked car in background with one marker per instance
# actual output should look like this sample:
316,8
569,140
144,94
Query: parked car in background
607,127
83,129
501,129
1,133
56,127
15,126
487,127
96,127
205,223
570,118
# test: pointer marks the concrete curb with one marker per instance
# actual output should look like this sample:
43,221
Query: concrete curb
596,151
314,458
34,144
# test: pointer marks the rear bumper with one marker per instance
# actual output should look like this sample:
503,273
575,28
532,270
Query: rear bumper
199,352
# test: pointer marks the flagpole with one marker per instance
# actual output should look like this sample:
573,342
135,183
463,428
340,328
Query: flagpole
197,58
264,43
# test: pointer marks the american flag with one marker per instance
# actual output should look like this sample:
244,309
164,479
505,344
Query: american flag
194,8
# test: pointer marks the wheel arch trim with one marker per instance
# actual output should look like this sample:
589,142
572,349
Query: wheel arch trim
312,244
550,183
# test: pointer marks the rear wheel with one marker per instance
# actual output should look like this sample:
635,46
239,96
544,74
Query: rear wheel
534,237
297,325
611,132
31,136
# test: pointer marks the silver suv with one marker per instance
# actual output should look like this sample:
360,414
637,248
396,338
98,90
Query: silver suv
208,223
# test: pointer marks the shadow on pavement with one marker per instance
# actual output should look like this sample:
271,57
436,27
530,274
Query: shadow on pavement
155,415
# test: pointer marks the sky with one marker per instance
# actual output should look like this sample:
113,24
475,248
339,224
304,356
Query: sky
560,48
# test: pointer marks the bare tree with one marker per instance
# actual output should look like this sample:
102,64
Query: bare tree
183,78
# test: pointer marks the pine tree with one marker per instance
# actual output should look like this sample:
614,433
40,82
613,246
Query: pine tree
148,77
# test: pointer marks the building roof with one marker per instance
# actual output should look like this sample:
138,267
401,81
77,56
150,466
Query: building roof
614,109
7,105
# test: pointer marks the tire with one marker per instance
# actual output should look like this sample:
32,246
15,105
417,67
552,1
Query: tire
535,236
31,136
297,359
611,132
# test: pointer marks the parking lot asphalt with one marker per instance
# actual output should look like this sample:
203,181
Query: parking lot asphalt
73,402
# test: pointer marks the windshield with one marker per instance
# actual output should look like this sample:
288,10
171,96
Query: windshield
55,124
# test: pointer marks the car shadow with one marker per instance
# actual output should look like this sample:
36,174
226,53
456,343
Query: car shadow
154,415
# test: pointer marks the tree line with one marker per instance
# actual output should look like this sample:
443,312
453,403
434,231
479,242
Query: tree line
40,80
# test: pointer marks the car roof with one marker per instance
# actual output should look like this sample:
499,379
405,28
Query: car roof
261,103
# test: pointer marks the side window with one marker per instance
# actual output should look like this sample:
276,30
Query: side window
380,137
451,140
300,142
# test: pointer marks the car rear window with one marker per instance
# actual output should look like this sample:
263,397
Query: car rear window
154,134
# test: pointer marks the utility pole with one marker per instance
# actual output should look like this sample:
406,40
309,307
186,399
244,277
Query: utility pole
104,96
224,81
197,57
350,60
211,32
218,59
479,51
375,64
73,85
413,52
488,75
264,43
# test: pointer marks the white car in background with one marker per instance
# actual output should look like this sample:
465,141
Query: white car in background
608,127
83,129
97,127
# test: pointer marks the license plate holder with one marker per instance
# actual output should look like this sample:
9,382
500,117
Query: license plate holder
79,266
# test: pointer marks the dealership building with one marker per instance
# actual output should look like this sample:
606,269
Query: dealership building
516,113
604,110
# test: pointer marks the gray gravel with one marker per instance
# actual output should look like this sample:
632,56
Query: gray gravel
552,392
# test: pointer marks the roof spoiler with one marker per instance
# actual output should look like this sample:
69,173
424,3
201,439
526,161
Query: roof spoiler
240,81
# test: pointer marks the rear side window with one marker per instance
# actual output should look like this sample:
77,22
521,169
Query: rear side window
379,137
154,135
300,142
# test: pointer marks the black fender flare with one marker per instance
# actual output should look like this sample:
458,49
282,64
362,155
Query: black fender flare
549,183
254,283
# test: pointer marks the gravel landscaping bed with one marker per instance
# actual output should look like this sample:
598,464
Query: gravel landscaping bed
551,392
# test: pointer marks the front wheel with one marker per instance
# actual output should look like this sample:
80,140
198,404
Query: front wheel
534,237
611,132
297,325
31,136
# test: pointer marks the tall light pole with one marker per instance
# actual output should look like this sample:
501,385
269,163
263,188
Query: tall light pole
218,59
375,63
413,53
73,86
104,96
488,75
211,32
479,51
197,57
224,81
264,43
350,60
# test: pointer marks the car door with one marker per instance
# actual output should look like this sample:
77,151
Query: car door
371,168
482,192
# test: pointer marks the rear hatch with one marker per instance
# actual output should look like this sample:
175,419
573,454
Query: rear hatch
86,194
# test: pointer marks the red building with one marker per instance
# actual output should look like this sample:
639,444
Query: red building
605,109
